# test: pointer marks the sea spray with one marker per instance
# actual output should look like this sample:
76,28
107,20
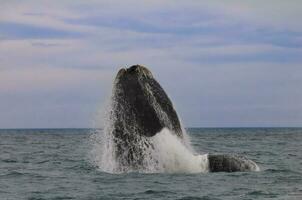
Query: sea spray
168,153
102,153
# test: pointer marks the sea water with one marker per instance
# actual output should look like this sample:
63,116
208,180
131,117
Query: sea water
59,164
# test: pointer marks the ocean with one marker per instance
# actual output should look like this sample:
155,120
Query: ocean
57,164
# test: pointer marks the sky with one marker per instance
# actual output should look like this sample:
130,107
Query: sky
223,63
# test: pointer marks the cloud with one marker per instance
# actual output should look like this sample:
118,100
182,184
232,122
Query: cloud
275,14
22,31
240,94
224,63
51,97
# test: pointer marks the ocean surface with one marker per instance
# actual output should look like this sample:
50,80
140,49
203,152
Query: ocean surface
56,164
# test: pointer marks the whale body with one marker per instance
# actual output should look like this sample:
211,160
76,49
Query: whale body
141,109
230,163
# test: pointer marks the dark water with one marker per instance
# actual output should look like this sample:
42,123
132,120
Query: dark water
54,164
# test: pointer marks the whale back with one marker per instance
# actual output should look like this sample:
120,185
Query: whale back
230,163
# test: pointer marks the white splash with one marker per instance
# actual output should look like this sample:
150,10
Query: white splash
174,157
169,155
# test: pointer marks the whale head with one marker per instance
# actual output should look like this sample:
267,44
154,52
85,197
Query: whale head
141,104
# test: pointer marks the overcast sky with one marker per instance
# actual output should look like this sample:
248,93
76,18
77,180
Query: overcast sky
223,63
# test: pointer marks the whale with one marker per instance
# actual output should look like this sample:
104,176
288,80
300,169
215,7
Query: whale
141,109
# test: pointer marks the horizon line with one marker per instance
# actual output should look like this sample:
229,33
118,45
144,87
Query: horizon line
193,127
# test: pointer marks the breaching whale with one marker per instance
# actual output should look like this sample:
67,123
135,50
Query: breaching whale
140,110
